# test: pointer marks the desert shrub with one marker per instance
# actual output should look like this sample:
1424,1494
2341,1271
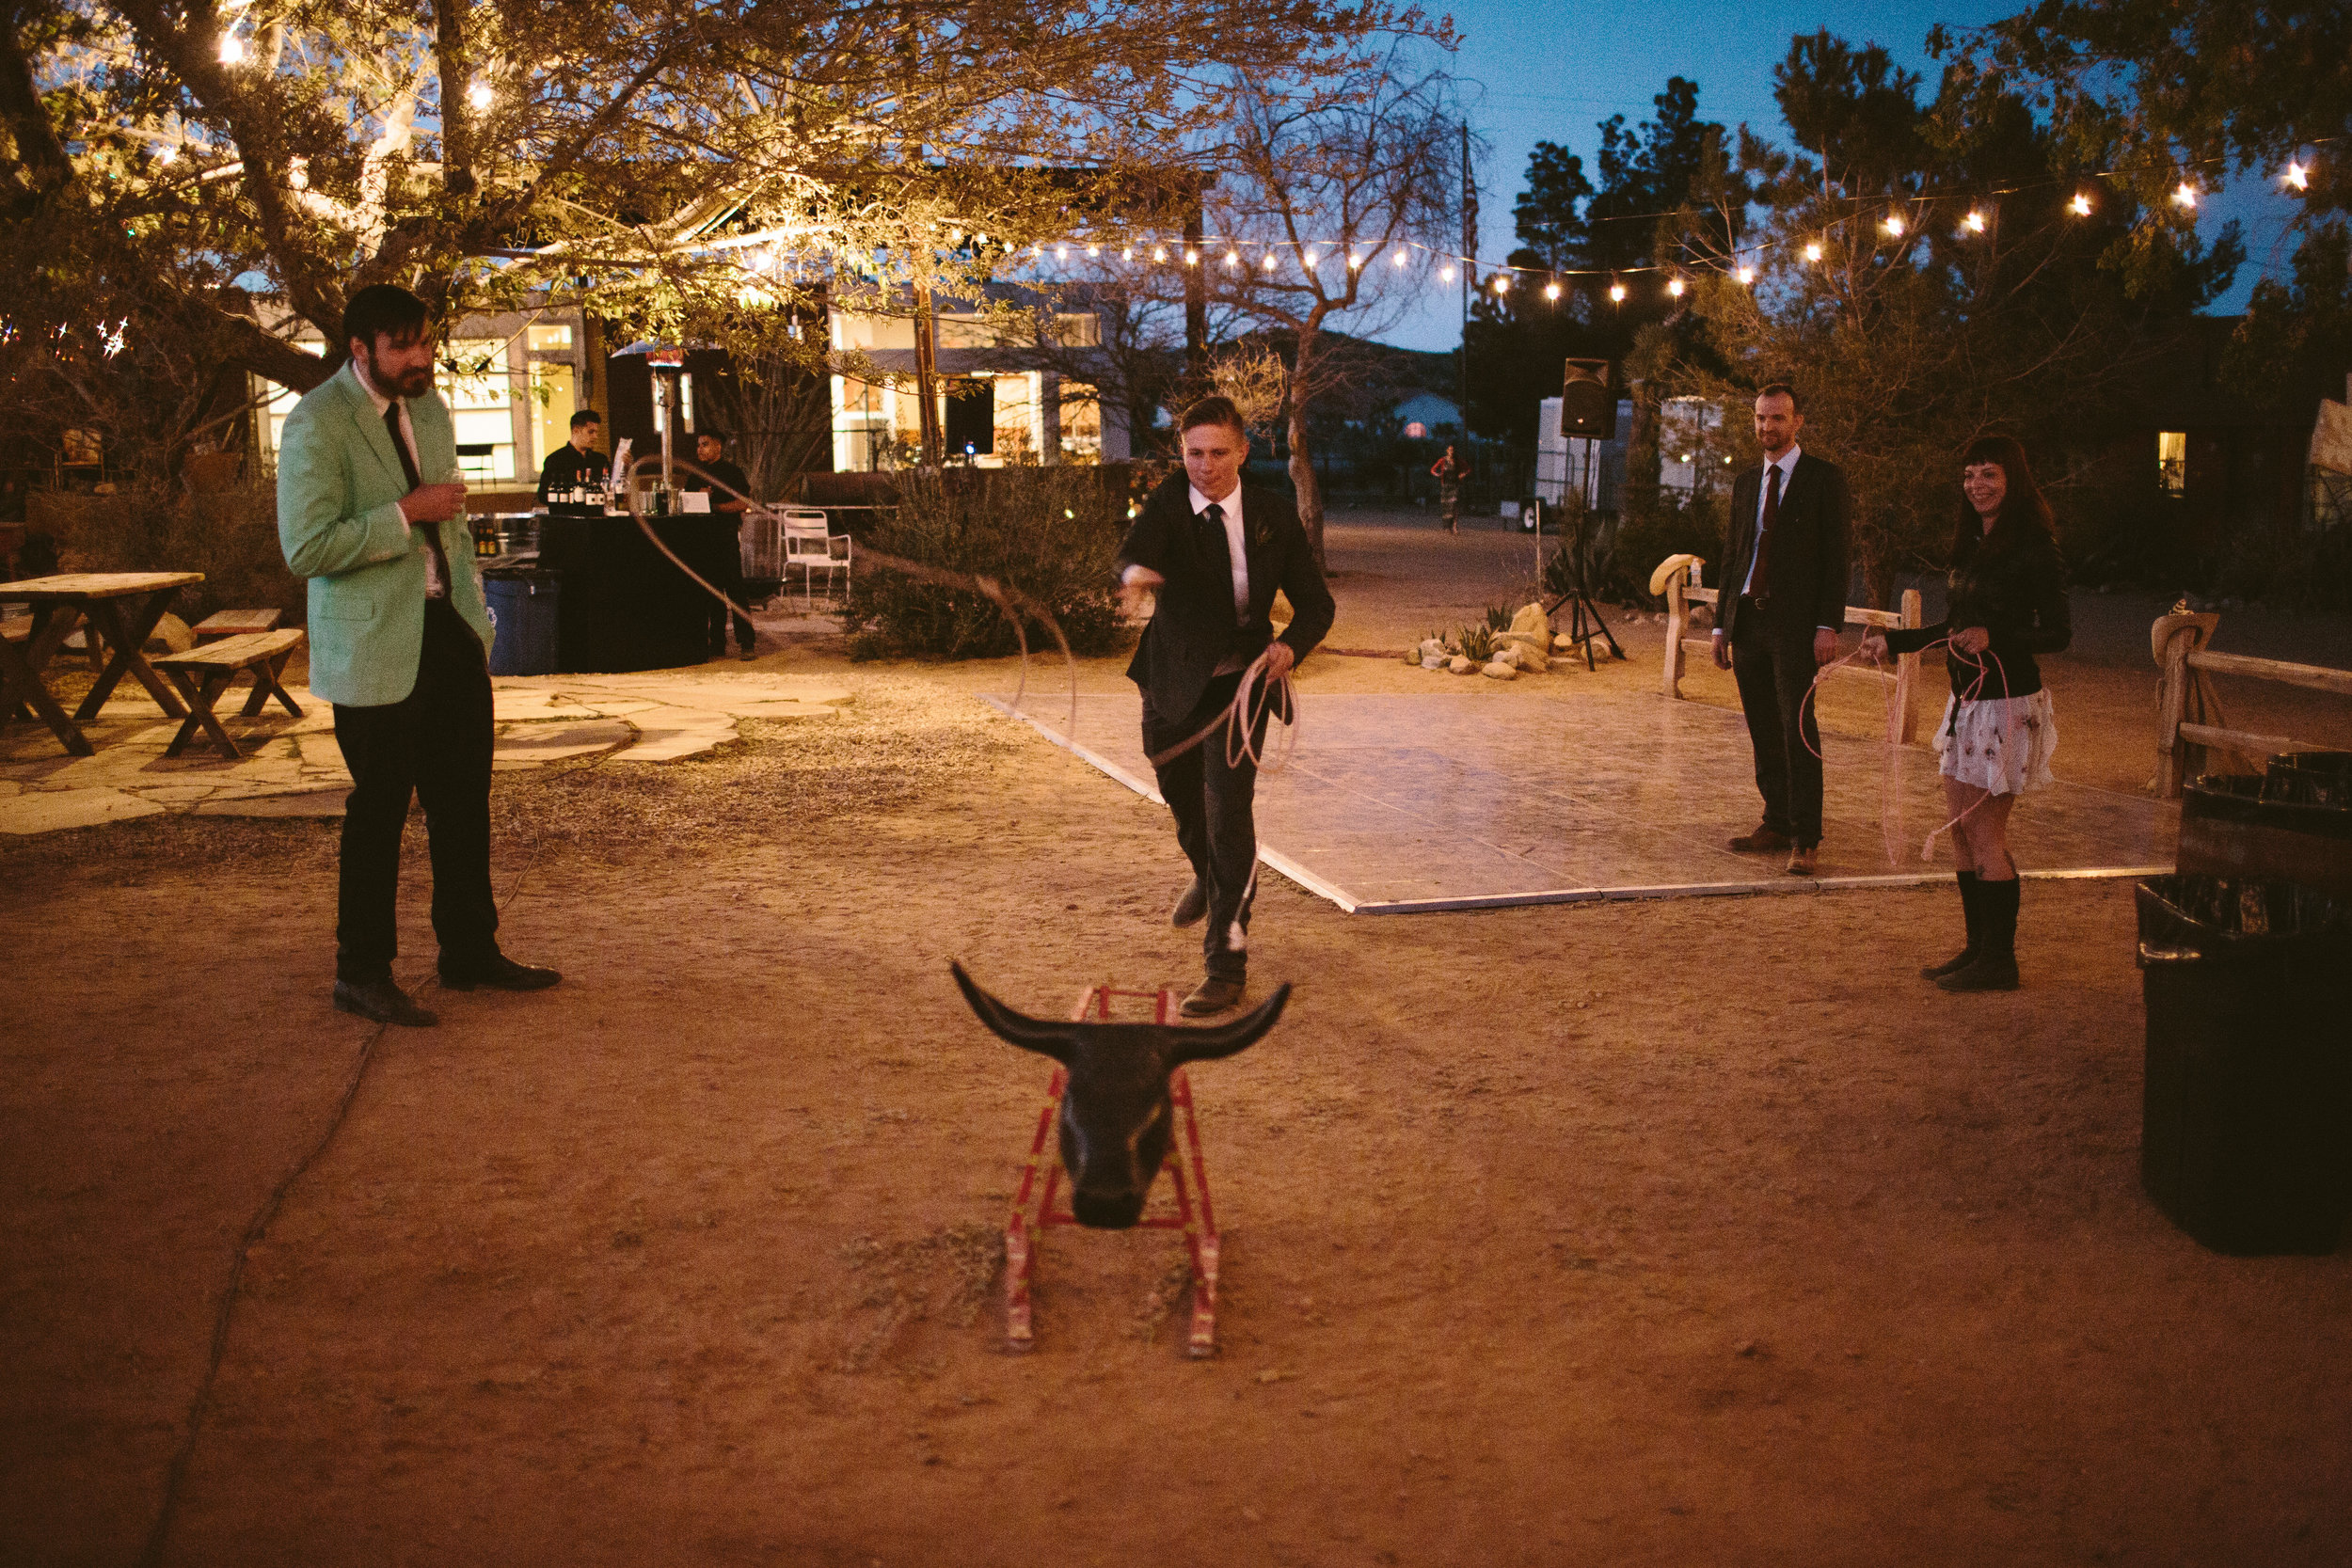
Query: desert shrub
1052,533
1476,640
230,535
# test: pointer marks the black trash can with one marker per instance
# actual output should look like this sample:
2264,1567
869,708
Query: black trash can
524,608
2246,1129
2311,779
2268,825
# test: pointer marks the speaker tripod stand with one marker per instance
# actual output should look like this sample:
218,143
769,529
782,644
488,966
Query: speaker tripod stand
1585,622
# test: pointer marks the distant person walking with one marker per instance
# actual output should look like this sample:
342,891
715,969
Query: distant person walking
2006,603
1782,600
1449,474
398,635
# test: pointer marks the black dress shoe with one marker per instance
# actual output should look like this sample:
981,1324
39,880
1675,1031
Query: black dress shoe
1190,907
1215,994
381,1002
500,973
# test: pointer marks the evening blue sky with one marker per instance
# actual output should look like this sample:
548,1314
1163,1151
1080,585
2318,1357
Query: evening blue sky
1535,72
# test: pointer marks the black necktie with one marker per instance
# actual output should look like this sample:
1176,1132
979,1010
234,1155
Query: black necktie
409,467
1758,581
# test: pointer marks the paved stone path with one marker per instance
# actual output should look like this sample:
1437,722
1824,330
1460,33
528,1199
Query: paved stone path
295,769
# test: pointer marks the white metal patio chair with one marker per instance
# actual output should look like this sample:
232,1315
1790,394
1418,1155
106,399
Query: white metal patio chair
809,542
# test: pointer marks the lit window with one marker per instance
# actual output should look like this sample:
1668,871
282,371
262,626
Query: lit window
2172,460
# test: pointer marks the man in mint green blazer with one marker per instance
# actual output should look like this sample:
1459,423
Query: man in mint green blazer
399,639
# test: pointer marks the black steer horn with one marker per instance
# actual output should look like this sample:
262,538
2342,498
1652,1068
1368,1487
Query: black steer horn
1116,1115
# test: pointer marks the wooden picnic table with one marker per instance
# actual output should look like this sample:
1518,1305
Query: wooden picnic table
120,610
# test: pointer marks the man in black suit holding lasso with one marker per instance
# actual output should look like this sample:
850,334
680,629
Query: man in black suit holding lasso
1215,553
1783,600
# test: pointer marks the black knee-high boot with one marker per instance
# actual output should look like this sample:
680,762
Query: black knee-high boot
1969,900
1995,968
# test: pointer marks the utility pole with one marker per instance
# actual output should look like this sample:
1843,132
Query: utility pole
1470,281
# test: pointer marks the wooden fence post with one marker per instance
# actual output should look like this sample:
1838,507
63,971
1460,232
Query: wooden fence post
1677,624
2173,639
1906,717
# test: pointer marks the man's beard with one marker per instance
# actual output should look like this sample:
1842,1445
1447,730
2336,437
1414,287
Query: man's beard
412,383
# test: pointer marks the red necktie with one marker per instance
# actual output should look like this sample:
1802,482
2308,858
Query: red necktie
409,467
1759,583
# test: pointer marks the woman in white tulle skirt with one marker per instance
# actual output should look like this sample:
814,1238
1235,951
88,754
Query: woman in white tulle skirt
2006,604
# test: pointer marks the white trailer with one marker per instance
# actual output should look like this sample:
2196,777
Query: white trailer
1571,466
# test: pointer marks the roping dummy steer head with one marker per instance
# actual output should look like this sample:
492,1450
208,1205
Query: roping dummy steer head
1116,1115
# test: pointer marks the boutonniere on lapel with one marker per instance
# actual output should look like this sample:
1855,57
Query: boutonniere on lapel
1259,531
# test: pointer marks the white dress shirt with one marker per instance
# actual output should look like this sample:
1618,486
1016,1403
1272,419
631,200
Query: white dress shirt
433,587
1230,509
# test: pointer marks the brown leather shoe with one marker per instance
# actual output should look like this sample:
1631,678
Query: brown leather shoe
1803,858
1764,839
1213,996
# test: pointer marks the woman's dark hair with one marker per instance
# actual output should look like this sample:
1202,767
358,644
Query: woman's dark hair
2024,513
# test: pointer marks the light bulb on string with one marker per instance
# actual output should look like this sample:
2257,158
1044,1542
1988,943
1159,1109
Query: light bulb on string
1674,287
2296,177
1061,253
1192,257
1307,261
1093,251
1973,223
1233,259
1745,274
1894,224
1159,253
1551,290
1813,251
1502,282
2080,206
1128,254
1445,273
479,95
1267,263
1398,259
1616,293
2185,197
1355,261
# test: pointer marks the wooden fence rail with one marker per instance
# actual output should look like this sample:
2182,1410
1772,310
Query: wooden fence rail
1902,718
2179,643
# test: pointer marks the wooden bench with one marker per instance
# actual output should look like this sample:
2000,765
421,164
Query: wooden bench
204,673
237,623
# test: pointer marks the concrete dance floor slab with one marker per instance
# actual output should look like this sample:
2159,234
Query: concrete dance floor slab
1408,803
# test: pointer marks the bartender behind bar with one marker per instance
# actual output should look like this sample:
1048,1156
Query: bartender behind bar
722,550
578,464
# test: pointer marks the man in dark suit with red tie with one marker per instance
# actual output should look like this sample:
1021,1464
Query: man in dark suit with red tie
1215,553
1783,600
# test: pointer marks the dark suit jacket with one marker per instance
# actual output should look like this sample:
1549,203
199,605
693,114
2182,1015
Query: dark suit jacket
1195,628
1807,576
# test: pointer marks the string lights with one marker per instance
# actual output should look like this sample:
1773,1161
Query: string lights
2296,177
2080,206
2185,196
1894,225
1813,251
1974,222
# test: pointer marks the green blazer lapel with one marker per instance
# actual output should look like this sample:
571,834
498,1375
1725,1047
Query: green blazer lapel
370,426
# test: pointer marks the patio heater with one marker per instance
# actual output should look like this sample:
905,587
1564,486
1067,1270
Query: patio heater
668,364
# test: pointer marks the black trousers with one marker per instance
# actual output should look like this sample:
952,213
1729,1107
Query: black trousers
435,745
1774,669
1216,822
722,563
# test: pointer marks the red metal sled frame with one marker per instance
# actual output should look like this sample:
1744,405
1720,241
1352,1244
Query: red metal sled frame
1194,1214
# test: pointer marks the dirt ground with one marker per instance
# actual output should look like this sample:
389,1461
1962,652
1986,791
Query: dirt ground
1669,1232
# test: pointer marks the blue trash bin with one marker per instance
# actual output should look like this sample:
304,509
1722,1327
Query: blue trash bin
523,610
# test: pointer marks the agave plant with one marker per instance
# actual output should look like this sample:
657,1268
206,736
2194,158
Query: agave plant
1477,642
1498,617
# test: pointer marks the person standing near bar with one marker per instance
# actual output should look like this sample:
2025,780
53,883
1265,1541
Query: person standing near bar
1215,553
1782,601
576,465
722,552
399,635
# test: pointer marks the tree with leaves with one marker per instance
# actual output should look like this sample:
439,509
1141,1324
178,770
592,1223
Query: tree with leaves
1911,329
222,176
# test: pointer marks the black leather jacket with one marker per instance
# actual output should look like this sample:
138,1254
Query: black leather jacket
2018,595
